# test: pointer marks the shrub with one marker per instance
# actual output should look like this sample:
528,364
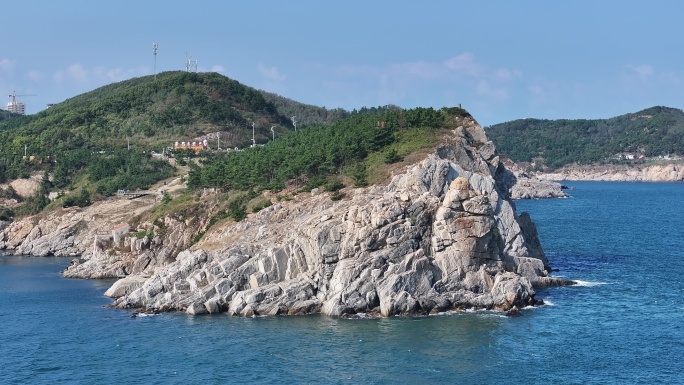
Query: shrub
391,156
333,184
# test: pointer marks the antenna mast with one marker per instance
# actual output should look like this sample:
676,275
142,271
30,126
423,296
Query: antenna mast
190,63
154,52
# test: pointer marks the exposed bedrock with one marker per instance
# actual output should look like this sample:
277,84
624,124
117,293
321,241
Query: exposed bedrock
441,235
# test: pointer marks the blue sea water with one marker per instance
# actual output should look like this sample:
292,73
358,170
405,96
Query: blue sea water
623,324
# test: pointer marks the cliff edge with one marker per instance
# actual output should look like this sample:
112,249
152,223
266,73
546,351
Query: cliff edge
443,234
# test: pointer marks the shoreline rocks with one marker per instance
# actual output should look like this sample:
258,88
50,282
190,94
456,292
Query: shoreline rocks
441,236
669,172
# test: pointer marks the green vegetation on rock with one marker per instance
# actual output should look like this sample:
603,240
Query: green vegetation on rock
319,151
92,145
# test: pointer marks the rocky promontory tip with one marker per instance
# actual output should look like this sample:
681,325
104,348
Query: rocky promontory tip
440,236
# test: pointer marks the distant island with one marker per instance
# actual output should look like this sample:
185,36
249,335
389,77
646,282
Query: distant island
645,145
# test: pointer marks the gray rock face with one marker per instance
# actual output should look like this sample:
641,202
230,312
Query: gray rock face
442,235
70,231
125,286
672,171
520,185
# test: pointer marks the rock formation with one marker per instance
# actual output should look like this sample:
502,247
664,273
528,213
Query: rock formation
84,233
666,172
523,186
442,235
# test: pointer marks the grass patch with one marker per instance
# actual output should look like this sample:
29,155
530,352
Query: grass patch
409,146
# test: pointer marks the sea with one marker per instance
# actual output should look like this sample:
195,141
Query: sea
622,324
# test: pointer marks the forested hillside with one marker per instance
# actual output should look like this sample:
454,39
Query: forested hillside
99,142
308,114
5,115
102,140
320,151
304,113
652,132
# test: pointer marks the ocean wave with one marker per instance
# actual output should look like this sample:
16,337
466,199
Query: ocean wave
588,284
143,314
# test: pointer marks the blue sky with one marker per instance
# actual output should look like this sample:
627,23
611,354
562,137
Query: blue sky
502,60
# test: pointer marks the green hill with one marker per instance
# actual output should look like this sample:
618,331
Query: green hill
649,133
175,106
304,113
102,140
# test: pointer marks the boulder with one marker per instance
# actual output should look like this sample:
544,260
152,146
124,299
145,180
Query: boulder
125,286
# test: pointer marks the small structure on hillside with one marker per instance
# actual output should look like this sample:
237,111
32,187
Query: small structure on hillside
195,146
119,231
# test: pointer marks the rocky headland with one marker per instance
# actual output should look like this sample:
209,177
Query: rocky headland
442,235
664,172
523,185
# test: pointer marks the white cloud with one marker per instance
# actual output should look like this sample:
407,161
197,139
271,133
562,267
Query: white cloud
217,68
642,70
465,64
72,72
543,93
487,82
270,73
7,64
418,69
484,88
36,76
506,75
99,75
631,76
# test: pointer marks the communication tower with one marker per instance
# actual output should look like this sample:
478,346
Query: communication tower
190,64
294,123
253,140
273,132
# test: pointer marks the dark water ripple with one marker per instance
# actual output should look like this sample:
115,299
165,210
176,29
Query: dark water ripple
623,324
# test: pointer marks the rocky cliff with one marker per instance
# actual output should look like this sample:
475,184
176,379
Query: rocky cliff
86,233
667,172
442,235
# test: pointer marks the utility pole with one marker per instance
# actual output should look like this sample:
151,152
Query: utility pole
253,140
218,140
294,123
154,51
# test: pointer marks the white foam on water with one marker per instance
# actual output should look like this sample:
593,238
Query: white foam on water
146,314
588,284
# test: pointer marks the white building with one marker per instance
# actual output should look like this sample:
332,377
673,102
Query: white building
16,107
